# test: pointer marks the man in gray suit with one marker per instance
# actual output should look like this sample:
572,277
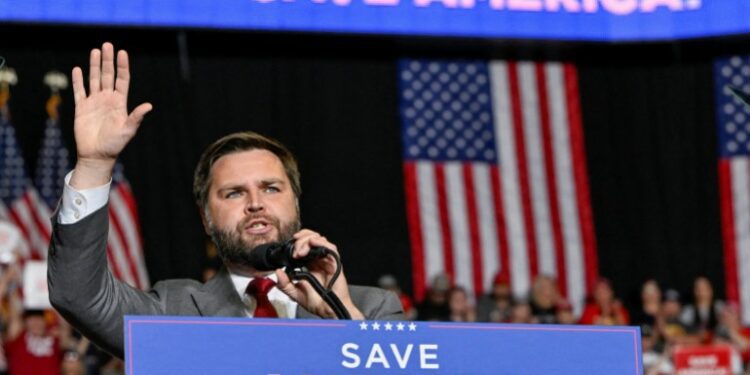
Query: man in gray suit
247,188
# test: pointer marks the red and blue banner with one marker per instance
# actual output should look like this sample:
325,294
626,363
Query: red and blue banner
589,20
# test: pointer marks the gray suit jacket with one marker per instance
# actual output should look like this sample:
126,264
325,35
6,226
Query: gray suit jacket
87,295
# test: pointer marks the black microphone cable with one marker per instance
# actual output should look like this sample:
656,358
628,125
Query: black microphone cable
326,293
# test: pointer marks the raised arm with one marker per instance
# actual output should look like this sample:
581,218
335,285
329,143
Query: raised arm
81,287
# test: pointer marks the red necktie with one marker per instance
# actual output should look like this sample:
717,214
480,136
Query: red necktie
259,288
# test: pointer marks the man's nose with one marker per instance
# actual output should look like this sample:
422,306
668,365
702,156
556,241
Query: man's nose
254,202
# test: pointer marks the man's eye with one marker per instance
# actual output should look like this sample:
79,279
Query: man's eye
272,189
232,194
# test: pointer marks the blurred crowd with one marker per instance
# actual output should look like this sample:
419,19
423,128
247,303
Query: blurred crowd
37,341
666,319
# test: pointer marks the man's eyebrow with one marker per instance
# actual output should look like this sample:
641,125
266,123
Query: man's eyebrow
271,181
230,186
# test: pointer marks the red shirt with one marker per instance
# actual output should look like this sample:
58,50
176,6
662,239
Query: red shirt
592,314
33,355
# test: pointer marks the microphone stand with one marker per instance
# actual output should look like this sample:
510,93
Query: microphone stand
330,298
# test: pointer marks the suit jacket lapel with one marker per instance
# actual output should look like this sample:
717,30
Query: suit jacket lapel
219,298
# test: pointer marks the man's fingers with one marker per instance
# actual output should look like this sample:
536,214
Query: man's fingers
79,91
95,66
283,279
123,73
135,117
108,66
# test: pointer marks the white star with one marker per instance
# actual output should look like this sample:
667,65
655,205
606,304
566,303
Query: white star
376,326
363,326
412,327
388,326
400,326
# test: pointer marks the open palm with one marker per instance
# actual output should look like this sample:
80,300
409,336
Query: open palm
102,124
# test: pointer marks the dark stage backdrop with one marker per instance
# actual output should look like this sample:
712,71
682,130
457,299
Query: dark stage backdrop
648,121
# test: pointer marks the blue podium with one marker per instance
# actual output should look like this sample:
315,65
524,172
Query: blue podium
227,346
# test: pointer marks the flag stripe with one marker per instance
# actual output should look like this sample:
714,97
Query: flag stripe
475,271
497,201
536,169
551,176
126,195
127,227
585,216
489,256
431,229
415,229
459,228
42,226
740,170
523,174
727,218
117,263
743,229
575,277
16,212
445,221
120,245
518,261
24,251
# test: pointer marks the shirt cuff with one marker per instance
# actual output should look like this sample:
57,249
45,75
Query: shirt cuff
77,204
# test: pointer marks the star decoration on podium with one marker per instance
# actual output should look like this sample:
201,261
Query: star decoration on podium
387,326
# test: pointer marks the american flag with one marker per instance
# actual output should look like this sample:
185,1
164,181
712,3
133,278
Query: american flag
20,203
733,121
495,175
53,162
124,249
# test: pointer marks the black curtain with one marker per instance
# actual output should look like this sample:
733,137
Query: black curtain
648,124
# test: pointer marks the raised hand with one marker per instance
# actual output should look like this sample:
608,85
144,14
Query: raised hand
102,124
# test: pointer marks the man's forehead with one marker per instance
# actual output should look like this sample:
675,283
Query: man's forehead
258,163
255,157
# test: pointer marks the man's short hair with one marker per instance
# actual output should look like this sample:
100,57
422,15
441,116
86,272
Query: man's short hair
238,142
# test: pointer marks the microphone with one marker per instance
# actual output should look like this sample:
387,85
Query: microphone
274,255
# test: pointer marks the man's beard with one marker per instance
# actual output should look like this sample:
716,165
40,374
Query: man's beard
233,249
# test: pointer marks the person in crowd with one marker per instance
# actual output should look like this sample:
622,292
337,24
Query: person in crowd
460,306
604,308
671,329
701,315
729,330
435,305
496,305
72,364
247,188
544,299
564,312
521,313
389,282
30,346
647,314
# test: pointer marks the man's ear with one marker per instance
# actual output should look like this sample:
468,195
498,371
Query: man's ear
204,220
